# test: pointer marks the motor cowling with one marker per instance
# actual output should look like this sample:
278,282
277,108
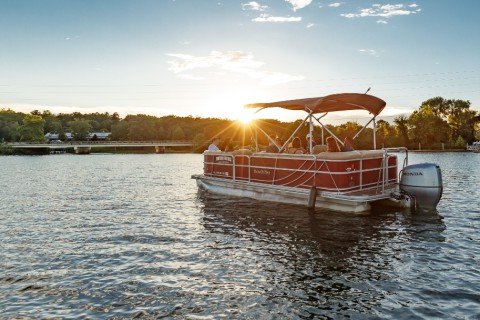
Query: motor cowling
424,183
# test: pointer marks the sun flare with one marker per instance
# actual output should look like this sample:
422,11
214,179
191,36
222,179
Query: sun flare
228,102
245,116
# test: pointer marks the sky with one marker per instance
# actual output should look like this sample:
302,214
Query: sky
209,58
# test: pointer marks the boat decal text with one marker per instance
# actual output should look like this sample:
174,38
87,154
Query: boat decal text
413,173
223,159
221,173
262,171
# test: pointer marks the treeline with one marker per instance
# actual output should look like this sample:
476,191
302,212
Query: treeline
437,123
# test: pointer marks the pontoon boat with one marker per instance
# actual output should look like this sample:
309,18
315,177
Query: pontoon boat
350,181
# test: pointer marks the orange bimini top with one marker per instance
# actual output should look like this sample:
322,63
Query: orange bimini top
330,103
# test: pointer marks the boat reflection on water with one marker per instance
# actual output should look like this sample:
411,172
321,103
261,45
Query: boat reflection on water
318,263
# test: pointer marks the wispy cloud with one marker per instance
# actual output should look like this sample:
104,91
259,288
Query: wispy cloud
254,6
68,38
368,51
299,4
335,5
385,11
268,18
232,61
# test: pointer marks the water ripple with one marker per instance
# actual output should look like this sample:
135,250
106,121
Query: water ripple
130,236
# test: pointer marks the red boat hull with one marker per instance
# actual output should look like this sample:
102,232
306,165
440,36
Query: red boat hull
329,171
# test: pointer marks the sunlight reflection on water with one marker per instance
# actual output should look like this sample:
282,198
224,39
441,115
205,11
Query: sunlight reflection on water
131,236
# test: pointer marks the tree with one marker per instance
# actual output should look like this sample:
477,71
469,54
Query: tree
177,133
200,143
120,131
460,143
32,128
9,131
457,114
9,123
401,126
349,128
80,128
52,123
386,134
427,128
142,128
462,120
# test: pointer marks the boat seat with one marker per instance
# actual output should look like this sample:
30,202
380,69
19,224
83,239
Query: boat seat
319,148
246,152
357,154
212,152
372,153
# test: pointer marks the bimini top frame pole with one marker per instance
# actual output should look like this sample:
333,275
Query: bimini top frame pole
334,102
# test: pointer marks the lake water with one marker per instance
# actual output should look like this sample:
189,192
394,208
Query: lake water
129,236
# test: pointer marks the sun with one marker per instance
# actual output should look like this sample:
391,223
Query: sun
245,116
228,102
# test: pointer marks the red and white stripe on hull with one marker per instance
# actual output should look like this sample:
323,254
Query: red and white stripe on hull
344,181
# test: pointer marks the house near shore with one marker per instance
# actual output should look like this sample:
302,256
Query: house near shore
68,136
53,136
98,136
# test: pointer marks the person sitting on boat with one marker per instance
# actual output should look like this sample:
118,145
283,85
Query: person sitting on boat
227,146
296,146
213,145
347,144
274,147
332,145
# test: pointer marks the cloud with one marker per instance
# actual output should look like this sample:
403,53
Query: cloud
267,18
238,62
369,51
310,25
335,5
299,4
384,11
382,21
254,6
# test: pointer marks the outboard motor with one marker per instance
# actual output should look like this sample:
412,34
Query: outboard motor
422,182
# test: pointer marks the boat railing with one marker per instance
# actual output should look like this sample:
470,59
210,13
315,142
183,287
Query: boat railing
310,167
398,150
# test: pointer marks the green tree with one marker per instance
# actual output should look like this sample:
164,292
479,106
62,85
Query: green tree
32,128
460,143
80,128
9,131
427,128
142,128
120,131
200,143
460,118
349,128
178,134
52,123
401,127
386,134
462,121
9,123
